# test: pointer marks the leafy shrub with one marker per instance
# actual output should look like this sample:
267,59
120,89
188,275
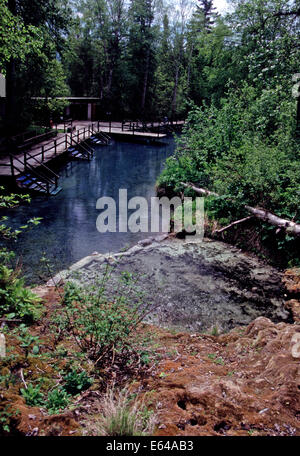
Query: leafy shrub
16,301
76,382
7,418
101,319
58,400
32,395
27,341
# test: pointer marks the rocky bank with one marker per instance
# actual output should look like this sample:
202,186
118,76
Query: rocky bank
194,286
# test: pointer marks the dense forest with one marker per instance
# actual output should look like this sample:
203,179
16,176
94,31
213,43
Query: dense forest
145,58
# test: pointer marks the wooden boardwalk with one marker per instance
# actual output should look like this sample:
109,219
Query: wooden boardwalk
30,168
130,133
44,152
35,156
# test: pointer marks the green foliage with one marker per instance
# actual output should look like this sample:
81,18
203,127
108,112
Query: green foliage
6,416
58,400
100,319
245,150
45,24
76,382
15,37
144,58
9,201
16,301
33,395
29,342
215,331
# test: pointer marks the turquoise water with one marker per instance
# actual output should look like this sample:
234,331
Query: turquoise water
68,231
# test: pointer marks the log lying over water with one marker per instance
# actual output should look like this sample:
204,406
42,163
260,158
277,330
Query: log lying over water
262,214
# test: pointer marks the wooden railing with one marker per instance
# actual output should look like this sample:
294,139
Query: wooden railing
23,163
68,123
85,148
45,179
31,136
158,127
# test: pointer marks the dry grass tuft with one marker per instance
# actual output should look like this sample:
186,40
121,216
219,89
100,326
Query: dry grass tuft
123,416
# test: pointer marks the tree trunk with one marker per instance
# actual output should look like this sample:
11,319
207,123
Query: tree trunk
145,83
11,87
174,100
11,99
262,214
189,67
298,117
109,83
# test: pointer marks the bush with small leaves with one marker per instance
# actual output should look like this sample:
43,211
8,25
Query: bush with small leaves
33,395
16,301
58,400
75,382
101,318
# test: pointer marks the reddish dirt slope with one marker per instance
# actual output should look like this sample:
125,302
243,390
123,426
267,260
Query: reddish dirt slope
243,383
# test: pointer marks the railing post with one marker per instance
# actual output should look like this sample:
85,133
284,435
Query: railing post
110,126
122,125
78,136
98,125
133,129
84,133
55,147
48,188
66,141
43,153
12,166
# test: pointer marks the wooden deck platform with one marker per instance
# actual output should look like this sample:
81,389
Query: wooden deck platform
30,167
42,153
35,156
133,134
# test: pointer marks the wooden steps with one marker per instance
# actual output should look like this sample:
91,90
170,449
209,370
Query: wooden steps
29,182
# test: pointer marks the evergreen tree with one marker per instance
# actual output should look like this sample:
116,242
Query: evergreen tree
140,55
205,15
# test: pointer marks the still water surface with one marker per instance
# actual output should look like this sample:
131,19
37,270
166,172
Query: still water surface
68,231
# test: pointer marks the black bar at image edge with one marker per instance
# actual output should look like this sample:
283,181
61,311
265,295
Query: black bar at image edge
148,445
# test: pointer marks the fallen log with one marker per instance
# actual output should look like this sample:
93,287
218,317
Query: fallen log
262,214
